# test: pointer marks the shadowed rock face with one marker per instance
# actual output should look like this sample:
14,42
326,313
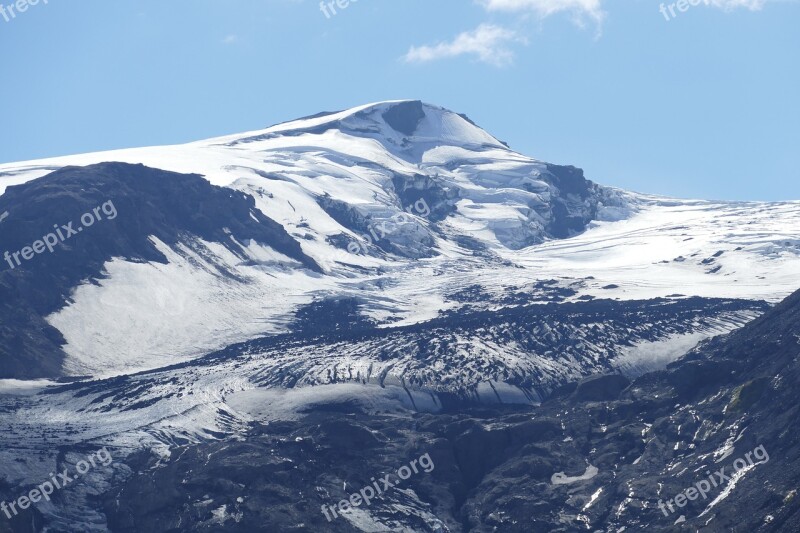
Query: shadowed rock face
174,208
405,117
575,202
601,388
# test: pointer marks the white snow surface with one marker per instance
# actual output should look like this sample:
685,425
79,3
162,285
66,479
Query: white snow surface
269,405
560,478
150,315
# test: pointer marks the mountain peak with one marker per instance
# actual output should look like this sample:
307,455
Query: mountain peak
410,126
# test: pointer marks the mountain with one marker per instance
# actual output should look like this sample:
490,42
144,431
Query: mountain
406,210
257,326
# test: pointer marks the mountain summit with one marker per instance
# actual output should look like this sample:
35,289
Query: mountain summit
406,124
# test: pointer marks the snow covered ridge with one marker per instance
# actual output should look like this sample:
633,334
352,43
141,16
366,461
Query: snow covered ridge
303,194
373,161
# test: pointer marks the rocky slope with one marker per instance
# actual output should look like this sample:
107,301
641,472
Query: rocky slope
598,455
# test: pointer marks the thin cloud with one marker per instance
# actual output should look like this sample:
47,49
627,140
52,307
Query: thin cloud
580,9
753,5
230,39
593,9
493,44
488,43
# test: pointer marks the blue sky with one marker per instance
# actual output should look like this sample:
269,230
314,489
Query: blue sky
702,105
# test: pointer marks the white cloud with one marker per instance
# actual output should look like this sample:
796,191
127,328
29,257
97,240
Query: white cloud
581,9
489,43
230,39
753,5
593,9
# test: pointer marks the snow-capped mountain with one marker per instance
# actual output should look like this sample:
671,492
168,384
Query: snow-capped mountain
234,317
399,206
